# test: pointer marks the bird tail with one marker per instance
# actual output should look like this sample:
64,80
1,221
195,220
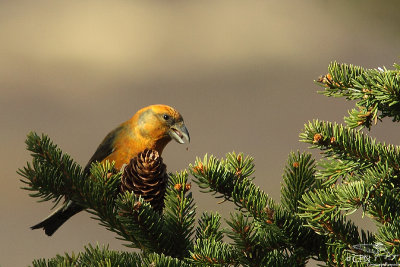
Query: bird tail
58,217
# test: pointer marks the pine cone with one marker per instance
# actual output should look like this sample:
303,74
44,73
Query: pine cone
146,176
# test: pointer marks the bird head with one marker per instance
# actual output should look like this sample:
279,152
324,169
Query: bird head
161,123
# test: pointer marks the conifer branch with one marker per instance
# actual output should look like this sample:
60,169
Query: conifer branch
248,197
389,235
384,208
377,92
220,176
155,259
331,172
325,204
140,223
213,253
343,143
179,215
369,170
298,178
232,183
305,243
102,256
209,227
52,174
93,256
254,240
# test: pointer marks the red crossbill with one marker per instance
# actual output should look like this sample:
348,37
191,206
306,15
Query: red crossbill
152,127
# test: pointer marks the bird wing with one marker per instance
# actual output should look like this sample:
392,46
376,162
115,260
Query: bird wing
105,148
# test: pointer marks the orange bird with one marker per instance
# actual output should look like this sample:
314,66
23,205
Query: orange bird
152,127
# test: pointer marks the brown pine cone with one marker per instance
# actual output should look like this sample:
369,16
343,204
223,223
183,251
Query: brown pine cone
146,176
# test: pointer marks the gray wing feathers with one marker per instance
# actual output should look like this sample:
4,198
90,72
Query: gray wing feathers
105,148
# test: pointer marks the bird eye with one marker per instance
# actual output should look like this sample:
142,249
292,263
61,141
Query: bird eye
166,117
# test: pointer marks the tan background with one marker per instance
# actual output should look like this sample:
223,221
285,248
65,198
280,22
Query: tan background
240,72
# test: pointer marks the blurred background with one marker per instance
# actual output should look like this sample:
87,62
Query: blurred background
240,72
